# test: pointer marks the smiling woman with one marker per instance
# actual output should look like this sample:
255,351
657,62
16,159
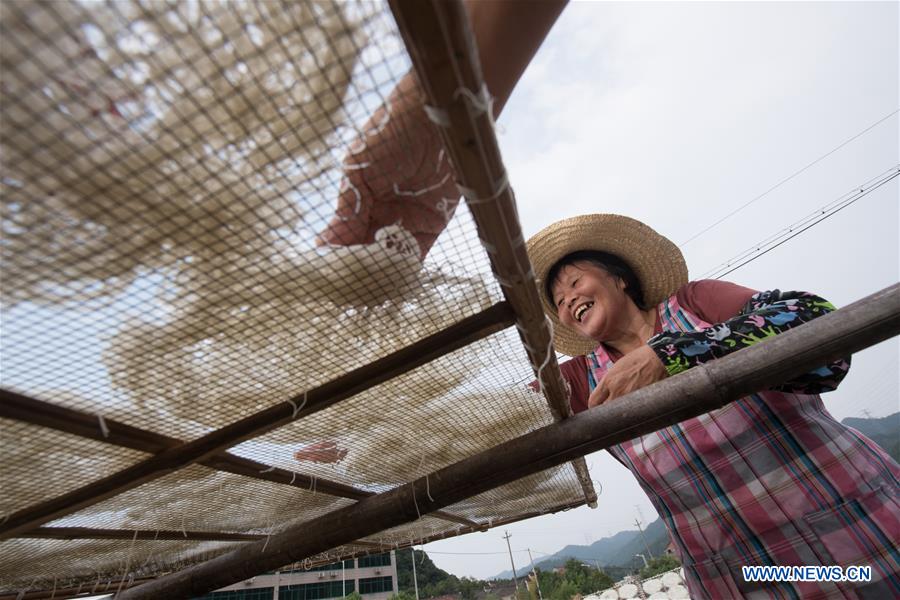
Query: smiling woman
733,485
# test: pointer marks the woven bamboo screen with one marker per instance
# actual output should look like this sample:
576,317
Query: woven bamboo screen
166,169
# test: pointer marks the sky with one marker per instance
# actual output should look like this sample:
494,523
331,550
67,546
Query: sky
678,114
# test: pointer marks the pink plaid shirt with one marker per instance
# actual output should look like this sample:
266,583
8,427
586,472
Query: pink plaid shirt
771,479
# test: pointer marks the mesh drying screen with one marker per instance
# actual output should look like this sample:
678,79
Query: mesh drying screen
436,415
39,464
35,564
166,170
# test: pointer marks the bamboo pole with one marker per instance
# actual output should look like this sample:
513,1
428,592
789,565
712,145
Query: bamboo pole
371,546
471,329
694,392
445,58
88,533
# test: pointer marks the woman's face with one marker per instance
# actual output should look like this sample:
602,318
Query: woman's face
591,301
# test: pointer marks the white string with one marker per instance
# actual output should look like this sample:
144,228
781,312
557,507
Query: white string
549,352
436,115
489,247
150,555
345,184
21,594
295,407
483,102
183,529
422,191
312,484
293,476
270,469
472,196
379,127
103,428
127,564
384,121
268,536
415,503
428,489
446,206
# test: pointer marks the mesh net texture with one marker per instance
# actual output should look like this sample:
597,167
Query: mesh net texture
167,169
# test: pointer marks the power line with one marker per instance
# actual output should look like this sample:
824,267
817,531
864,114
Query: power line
773,241
473,553
789,177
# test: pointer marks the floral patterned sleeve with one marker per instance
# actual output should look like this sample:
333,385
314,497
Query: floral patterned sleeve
766,314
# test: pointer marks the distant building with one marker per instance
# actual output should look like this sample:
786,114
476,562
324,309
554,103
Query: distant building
373,577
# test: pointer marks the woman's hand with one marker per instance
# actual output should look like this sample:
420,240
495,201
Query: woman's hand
637,369
404,147
396,172
321,452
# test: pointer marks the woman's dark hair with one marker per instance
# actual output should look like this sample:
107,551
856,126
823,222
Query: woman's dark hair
610,263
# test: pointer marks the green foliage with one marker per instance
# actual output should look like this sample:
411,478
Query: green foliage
403,595
432,580
577,578
564,591
356,596
658,565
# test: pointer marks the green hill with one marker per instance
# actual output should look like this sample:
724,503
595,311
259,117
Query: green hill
884,431
432,580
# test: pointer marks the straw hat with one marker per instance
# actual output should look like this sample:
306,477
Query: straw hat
657,262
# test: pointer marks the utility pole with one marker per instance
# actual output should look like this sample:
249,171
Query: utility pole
515,580
415,581
646,547
641,529
536,581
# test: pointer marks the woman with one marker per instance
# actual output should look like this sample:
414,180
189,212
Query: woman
771,479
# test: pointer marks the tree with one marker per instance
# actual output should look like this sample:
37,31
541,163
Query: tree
565,591
658,565
576,578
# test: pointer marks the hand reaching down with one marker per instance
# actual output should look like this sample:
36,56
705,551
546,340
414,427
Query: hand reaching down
395,173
